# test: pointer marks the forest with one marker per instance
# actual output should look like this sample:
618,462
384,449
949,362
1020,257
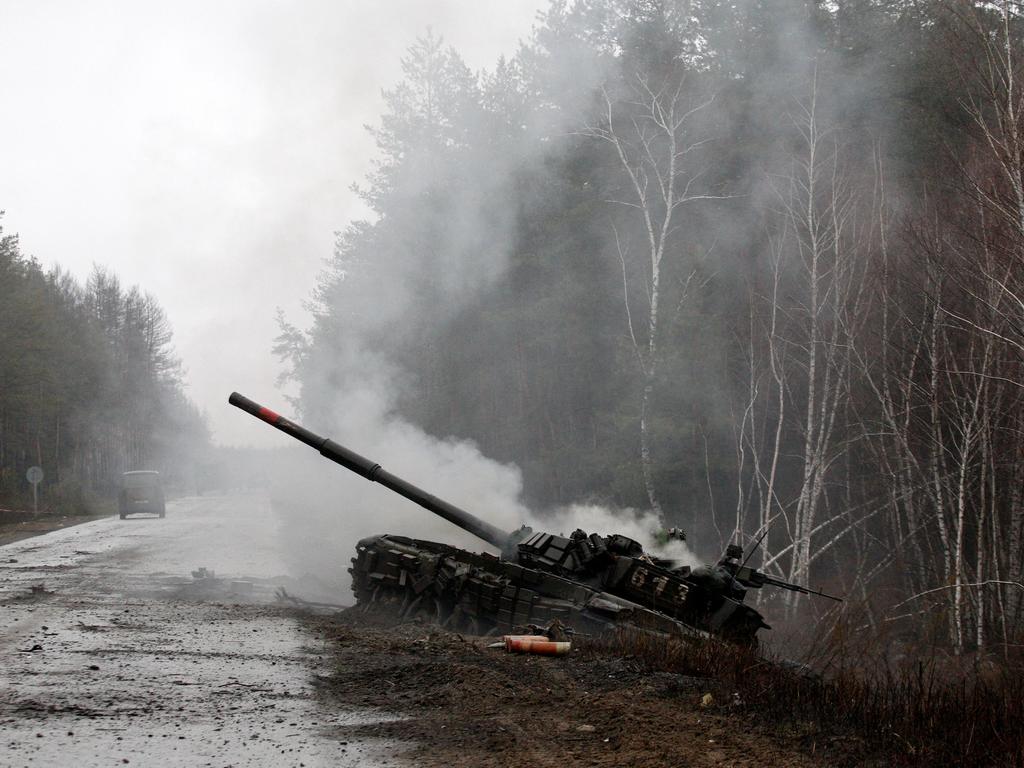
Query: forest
90,387
753,266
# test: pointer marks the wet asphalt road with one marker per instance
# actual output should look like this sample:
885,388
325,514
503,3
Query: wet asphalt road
114,654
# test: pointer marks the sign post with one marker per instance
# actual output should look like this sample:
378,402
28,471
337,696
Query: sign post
35,476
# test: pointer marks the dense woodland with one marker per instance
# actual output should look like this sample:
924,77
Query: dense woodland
752,265
89,386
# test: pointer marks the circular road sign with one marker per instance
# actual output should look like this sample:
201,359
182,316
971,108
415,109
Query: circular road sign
34,475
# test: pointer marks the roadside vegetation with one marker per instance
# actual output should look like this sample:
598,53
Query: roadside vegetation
928,708
649,700
89,388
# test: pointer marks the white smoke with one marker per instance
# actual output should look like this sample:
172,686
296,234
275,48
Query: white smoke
639,525
325,509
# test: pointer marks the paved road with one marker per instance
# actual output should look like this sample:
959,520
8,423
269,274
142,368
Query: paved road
113,653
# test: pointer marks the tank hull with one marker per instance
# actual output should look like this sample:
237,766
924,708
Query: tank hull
482,594
589,581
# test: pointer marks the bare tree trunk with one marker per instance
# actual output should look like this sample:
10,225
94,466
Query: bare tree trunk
645,450
654,151
817,208
1015,546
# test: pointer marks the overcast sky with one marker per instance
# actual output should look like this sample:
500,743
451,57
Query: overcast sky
204,150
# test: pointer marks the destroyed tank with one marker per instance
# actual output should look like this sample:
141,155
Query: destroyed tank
589,582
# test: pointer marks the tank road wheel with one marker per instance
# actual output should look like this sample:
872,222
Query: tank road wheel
424,608
454,620
442,612
742,629
411,610
391,600
371,602
465,623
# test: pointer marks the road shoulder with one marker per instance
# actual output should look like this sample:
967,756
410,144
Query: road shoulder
470,705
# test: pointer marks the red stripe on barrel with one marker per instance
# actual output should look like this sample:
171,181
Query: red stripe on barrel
268,415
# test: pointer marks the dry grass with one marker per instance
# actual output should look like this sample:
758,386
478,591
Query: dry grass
919,713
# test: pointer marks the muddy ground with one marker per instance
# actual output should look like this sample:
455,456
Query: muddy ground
466,704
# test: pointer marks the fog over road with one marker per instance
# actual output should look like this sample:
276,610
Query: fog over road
114,653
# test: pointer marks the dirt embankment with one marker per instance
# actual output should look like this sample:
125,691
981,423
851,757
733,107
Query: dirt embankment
466,704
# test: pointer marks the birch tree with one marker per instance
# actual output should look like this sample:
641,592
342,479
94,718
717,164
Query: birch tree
653,136
811,310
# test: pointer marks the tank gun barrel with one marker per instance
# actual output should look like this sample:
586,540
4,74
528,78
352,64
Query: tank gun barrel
752,577
372,471
798,588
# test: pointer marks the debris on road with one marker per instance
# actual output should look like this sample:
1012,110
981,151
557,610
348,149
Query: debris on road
552,640
556,631
538,644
